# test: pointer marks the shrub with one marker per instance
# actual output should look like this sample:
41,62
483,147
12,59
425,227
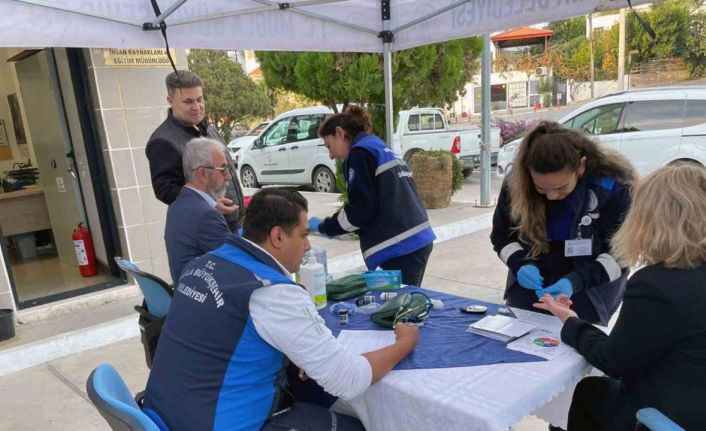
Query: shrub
515,129
456,167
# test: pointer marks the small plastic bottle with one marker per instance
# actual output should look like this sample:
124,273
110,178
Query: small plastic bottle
313,277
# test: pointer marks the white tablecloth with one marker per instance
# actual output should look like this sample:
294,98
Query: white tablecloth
483,398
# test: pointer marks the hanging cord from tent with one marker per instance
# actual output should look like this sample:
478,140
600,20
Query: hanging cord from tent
645,26
163,29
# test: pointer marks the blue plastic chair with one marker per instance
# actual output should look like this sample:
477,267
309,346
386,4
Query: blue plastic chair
110,395
157,292
158,297
653,420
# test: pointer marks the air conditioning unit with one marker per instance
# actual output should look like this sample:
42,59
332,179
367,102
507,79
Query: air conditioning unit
541,71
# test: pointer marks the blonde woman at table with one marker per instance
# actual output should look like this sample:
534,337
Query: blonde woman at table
655,355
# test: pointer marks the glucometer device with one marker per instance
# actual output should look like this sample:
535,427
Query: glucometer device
474,309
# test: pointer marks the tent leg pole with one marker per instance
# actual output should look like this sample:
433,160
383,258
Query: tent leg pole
387,39
485,126
387,71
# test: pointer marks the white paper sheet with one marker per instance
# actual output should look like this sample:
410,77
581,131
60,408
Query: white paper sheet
540,342
360,342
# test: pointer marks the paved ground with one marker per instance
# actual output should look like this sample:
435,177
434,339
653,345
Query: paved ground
52,396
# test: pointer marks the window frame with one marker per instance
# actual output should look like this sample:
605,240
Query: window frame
271,130
652,103
687,110
309,118
619,124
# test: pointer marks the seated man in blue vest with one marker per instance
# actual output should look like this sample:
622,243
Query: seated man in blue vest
194,225
236,320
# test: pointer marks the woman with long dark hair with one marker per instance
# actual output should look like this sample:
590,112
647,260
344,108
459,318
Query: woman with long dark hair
383,206
655,356
556,213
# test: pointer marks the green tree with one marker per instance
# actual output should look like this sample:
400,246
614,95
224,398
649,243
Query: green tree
567,30
231,96
671,22
287,100
427,75
696,45
607,41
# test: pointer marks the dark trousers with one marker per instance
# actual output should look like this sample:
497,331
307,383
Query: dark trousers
309,417
411,265
307,391
602,404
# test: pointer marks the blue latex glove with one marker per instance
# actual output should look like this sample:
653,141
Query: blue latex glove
529,277
314,224
561,287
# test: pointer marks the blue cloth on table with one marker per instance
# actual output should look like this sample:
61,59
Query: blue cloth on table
444,341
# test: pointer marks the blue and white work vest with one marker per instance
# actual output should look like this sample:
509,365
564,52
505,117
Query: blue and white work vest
212,370
401,225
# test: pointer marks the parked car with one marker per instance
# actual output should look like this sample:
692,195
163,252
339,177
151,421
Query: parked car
289,151
238,130
652,127
236,144
427,129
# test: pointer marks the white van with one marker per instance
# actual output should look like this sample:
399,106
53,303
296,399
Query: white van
290,151
652,127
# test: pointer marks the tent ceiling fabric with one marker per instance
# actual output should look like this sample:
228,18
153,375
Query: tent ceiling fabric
305,25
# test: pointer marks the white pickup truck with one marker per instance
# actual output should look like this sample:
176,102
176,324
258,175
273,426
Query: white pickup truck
426,129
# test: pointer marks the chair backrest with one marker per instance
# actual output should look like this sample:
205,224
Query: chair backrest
157,292
108,392
653,420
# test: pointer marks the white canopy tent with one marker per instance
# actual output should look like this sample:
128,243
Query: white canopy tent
306,25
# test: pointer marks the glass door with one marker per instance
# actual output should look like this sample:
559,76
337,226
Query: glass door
38,217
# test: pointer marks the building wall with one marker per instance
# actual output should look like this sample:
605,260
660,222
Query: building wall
467,102
582,90
130,103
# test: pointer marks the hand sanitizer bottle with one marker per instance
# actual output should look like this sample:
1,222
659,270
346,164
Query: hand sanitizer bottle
313,277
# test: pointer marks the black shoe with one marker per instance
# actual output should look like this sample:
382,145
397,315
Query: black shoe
553,428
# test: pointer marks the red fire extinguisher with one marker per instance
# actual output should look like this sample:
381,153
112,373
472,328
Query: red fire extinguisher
83,246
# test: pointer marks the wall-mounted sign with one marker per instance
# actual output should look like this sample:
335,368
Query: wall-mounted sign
132,57
3,134
17,125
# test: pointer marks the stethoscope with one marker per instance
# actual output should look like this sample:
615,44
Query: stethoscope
401,312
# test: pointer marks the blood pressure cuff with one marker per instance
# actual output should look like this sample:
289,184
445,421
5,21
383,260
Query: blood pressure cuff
346,287
406,307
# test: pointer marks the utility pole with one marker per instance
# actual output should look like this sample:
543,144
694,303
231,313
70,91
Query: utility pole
590,45
621,51
485,125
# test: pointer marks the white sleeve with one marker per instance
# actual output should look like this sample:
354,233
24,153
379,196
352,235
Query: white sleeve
285,318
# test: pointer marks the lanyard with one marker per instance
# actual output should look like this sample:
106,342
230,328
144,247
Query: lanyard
585,221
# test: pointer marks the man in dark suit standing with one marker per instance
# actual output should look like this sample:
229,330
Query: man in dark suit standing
185,121
194,225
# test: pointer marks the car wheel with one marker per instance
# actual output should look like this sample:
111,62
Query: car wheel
248,178
467,172
324,180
